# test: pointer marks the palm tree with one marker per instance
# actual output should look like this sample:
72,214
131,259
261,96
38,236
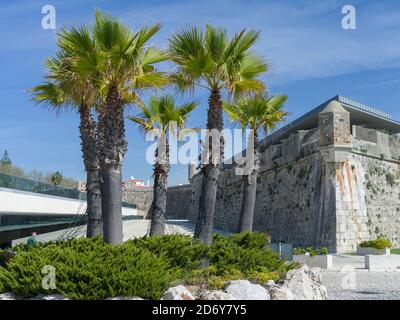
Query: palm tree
68,88
254,112
56,178
126,66
162,115
210,60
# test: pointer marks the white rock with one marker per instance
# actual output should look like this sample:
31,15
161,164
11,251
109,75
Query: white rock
280,293
304,284
50,297
214,295
245,290
315,274
270,283
9,296
177,293
124,298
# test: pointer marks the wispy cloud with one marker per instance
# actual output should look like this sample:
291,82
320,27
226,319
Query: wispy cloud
301,39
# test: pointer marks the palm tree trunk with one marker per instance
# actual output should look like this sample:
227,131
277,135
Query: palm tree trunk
113,146
250,186
89,145
210,172
94,209
159,204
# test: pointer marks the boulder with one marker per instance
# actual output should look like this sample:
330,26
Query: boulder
124,298
177,293
245,290
277,292
49,297
9,296
214,295
305,284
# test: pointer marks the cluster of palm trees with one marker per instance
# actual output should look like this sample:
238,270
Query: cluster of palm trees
101,69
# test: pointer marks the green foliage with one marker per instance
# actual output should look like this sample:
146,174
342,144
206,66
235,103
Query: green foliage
35,175
56,178
246,253
379,243
145,267
89,269
5,256
5,160
180,250
311,250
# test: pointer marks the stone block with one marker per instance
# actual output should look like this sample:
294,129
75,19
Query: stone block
319,261
389,262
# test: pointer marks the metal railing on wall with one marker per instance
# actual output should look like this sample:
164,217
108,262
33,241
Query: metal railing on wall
22,184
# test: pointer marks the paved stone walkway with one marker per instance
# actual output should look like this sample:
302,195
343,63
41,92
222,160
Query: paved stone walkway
349,280
131,229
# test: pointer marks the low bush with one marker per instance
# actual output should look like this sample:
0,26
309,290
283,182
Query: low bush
180,250
145,267
89,269
311,251
379,243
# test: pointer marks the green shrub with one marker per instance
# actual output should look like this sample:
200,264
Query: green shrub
379,243
89,269
145,267
311,250
244,252
180,250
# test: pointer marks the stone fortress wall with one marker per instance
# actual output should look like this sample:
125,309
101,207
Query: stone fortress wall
335,185
178,201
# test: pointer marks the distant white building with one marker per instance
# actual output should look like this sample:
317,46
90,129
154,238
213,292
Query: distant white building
134,183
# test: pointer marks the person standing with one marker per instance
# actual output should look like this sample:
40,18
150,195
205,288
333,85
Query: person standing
32,239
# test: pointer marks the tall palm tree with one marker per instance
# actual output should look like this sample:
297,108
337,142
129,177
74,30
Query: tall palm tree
67,88
126,66
254,112
213,61
162,114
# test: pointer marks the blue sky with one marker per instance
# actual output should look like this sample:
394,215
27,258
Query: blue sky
311,57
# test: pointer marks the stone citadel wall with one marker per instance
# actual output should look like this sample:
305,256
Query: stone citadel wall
333,195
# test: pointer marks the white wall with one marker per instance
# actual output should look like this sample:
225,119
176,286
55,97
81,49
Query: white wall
34,203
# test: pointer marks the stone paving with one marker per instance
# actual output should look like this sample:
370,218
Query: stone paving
349,280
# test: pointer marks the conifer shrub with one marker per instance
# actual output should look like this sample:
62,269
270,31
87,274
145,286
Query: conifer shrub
89,269
311,251
246,252
182,251
144,267
379,243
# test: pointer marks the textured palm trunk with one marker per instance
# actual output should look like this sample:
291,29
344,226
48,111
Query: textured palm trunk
89,145
113,146
250,185
210,172
159,204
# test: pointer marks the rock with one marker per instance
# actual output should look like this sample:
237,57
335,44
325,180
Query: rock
277,292
315,274
214,295
124,298
280,293
9,296
270,283
177,293
49,297
245,290
305,284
